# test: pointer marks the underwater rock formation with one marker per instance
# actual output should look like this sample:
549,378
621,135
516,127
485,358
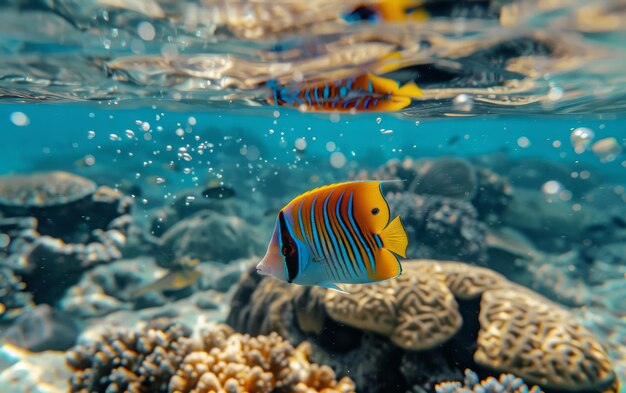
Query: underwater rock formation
449,177
74,225
506,383
168,359
13,298
493,196
437,315
209,236
42,329
442,227
136,284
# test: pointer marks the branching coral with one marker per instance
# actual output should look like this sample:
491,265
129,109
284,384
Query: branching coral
136,361
217,360
506,383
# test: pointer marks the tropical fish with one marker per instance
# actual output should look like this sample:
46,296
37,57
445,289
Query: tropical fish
181,276
362,93
388,11
335,234
218,192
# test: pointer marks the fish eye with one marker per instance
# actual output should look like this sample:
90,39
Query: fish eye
287,250
375,211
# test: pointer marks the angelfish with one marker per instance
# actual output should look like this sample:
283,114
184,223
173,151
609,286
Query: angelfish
336,234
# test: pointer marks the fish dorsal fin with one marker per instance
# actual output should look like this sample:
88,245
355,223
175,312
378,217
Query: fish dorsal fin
327,187
394,237
333,287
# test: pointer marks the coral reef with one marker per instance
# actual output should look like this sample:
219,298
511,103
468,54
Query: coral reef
13,299
443,227
168,358
429,316
493,196
41,329
136,284
506,383
447,177
136,360
230,238
67,225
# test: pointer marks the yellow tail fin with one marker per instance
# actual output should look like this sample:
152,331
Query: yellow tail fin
394,237
383,85
409,90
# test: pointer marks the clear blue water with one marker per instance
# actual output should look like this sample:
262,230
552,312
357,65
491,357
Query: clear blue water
162,101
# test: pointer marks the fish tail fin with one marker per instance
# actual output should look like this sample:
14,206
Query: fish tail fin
383,85
410,90
394,237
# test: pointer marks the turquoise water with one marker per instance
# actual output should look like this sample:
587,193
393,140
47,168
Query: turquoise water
145,158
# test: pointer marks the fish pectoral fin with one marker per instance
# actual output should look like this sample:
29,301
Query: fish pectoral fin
394,237
333,287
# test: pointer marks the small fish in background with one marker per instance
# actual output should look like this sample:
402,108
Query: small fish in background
336,234
182,275
362,93
453,140
218,192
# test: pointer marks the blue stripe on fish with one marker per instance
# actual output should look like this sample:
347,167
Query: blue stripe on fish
317,97
326,92
359,261
336,249
379,242
353,223
319,245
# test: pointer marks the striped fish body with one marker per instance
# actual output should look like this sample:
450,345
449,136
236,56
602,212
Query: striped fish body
362,93
336,234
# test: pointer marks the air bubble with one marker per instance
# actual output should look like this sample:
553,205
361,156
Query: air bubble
463,103
581,138
19,119
337,160
146,31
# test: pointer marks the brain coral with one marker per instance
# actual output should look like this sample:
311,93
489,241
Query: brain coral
168,359
453,313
